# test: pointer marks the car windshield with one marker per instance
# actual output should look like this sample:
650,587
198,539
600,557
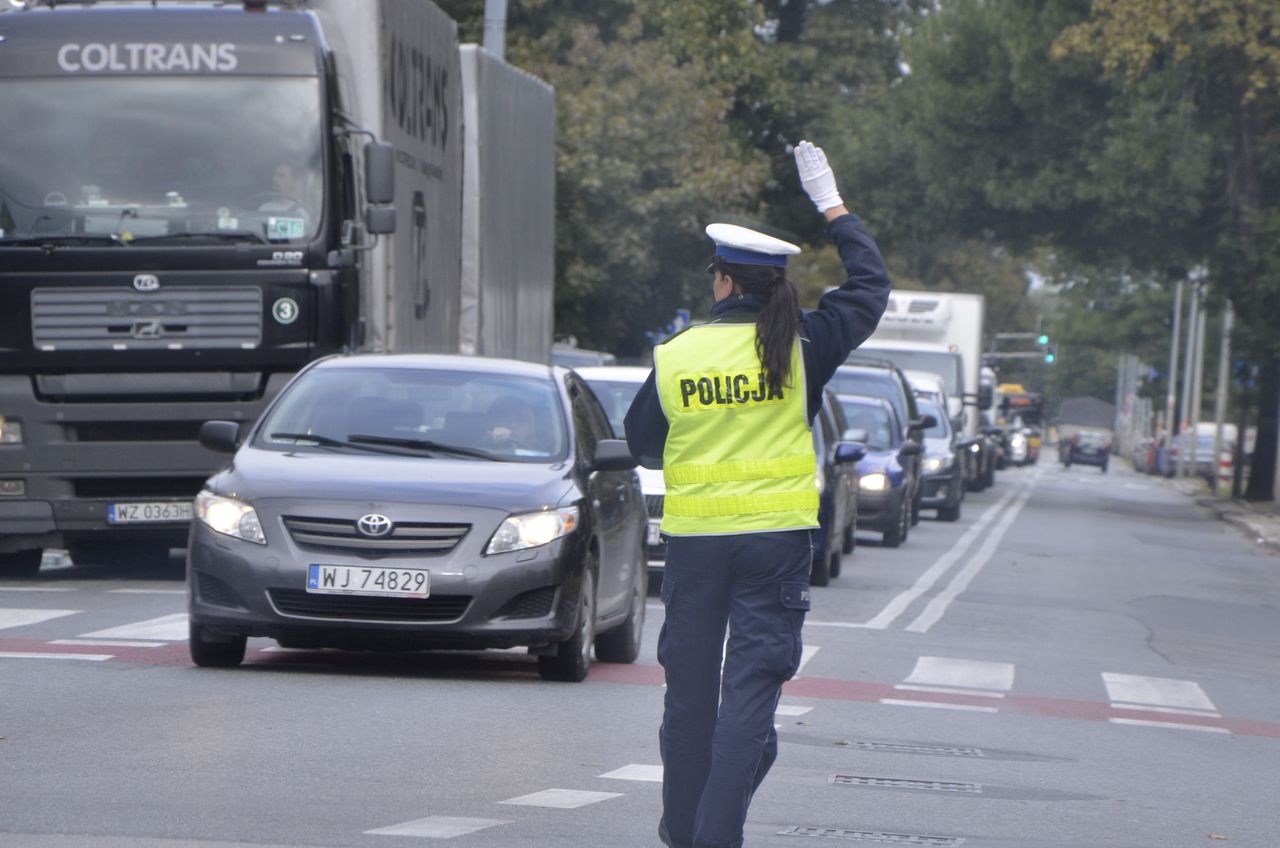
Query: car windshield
137,158
430,412
877,383
615,396
876,420
940,430
943,363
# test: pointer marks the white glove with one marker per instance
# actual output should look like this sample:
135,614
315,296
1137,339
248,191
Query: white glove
816,177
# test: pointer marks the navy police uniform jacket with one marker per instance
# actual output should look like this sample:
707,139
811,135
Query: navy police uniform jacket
845,317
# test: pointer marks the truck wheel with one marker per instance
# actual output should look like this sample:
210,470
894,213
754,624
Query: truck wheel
622,644
214,651
21,563
572,659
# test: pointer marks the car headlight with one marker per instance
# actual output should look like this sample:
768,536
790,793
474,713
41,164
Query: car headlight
975,447
938,463
874,482
1018,441
531,529
230,517
10,431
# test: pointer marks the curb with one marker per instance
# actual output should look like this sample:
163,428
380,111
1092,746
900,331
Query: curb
1264,530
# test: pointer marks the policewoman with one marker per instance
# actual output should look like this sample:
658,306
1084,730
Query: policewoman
726,414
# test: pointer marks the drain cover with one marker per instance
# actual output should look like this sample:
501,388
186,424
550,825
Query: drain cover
905,783
873,836
896,748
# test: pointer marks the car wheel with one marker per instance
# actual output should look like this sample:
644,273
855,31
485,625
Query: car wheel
915,508
622,644
896,534
1104,468
949,513
850,540
572,659
835,563
21,563
209,651
820,571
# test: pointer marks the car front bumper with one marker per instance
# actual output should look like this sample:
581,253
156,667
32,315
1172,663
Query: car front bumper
940,490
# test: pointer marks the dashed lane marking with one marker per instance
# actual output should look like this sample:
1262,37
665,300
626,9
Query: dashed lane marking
36,589
147,591
790,710
636,771
938,705
170,628
562,799
108,643
10,617
437,827
37,655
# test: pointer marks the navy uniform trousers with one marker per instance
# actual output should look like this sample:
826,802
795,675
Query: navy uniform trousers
717,737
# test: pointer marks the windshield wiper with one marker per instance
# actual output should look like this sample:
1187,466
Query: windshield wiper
216,235
52,241
421,444
313,437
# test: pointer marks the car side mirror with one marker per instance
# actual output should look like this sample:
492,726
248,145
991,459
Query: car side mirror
924,422
220,436
851,451
613,455
911,449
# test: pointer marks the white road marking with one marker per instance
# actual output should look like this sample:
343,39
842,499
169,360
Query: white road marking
1168,710
147,591
636,771
925,582
36,589
562,799
1175,725
1136,486
938,606
23,617
789,710
806,654
35,655
956,674
108,643
172,628
938,705
1135,690
437,827
949,690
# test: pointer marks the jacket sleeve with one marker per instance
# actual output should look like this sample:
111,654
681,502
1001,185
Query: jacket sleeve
846,316
646,425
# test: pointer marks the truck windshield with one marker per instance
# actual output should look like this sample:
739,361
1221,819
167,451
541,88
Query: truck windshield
160,157
945,365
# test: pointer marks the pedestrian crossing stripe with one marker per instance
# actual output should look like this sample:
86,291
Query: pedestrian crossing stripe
10,617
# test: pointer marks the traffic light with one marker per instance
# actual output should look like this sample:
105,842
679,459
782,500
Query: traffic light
1050,356
1043,339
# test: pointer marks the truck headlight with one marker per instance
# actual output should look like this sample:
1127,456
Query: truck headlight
10,431
230,517
531,529
874,482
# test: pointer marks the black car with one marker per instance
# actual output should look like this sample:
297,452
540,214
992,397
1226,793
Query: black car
1086,448
411,502
838,491
887,471
943,464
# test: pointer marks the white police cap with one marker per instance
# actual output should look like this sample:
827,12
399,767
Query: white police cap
739,244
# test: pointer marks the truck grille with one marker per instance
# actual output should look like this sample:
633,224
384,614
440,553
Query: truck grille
339,535
196,318
433,608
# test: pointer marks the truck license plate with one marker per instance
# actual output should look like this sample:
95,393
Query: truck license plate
368,580
149,512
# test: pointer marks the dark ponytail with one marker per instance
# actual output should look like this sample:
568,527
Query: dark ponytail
779,321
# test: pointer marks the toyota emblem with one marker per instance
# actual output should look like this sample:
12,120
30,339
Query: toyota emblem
146,282
373,524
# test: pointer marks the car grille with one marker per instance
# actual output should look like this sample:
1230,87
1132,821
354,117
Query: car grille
363,608
339,535
653,503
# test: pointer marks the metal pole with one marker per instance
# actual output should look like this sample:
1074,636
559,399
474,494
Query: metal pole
1187,370
495,27
1171,396
1197,385
1220,403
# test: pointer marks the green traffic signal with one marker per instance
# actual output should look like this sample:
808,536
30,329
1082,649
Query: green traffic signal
1043,339
1050,357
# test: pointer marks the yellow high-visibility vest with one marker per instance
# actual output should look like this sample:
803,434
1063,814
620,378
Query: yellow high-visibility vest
738,458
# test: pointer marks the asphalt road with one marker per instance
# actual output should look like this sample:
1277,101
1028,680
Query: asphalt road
1082,660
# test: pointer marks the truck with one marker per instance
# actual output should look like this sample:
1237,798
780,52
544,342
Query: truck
941,333
199,198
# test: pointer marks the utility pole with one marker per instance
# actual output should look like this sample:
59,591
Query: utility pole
1187,369
1171,395
495,27
1224,380
1197,384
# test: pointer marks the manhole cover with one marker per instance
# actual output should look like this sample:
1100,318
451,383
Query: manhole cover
873,836
905,783
896,748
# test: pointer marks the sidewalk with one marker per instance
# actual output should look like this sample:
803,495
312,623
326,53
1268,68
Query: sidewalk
1261,520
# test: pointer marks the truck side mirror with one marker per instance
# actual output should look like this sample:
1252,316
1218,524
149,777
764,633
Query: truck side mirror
379,172
220,436
380,220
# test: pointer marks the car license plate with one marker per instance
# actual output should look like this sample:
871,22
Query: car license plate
655,532
150,512
368,580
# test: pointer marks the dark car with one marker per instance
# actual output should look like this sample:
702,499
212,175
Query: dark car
1086,447
943,470
414,502
886,473
871,377
838,491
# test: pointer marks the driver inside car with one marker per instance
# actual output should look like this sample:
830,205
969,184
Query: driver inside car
511,424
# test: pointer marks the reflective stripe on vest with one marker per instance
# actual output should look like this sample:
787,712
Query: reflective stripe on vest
738,457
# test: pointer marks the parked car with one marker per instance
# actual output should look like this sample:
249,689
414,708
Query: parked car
870,377
1087,447
943,470
887,472
838,491
616,387
413,502
571,356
